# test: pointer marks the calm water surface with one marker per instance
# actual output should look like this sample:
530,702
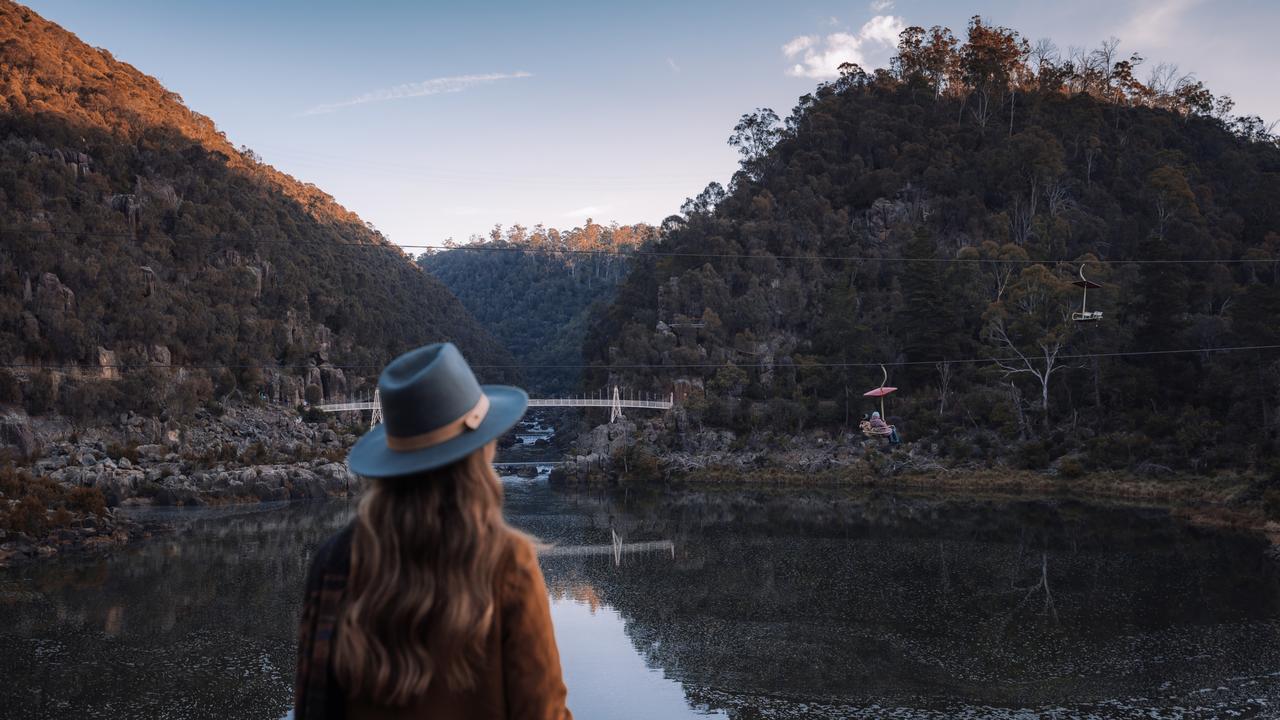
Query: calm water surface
756,604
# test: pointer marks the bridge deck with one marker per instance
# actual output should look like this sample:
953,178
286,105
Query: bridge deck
533,402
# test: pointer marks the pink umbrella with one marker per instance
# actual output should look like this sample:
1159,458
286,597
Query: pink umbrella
881,391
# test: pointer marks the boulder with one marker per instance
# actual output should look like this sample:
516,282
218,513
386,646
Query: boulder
337,478
52,298
20,436
108,364
159,355
333,381
148,280
151,452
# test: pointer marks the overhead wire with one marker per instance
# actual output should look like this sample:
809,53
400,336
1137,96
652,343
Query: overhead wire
680,366
389,245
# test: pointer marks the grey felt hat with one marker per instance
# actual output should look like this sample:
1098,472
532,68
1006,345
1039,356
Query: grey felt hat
434,413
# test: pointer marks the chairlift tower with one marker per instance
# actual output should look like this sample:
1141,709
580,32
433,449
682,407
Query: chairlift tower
615,407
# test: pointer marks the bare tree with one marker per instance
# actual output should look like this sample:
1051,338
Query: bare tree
944,385
1041,366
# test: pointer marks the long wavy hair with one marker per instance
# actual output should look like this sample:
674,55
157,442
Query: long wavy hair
420,599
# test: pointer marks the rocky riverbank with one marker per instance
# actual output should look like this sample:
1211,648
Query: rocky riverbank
242,454
625,453
61,483
83,533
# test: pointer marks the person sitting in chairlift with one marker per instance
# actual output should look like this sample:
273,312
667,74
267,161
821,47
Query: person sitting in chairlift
879,426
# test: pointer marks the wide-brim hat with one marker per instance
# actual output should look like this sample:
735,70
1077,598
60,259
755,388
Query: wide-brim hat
434,413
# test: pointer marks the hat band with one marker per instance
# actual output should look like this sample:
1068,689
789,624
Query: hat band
470,421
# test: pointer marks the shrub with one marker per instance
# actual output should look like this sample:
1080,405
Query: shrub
1070,468
28,516
10,390
1271,503
128,451
87,500
40,393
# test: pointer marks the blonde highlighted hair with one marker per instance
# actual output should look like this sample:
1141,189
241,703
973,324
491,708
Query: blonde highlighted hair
420,595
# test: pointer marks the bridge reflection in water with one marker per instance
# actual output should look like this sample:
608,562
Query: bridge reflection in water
615,549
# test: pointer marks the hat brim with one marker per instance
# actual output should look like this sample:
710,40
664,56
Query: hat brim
370,457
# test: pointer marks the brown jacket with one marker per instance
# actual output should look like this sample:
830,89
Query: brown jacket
521,678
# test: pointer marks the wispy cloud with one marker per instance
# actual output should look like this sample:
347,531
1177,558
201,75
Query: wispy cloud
672,64
1155,22
820,57
588,211
879,6
434,86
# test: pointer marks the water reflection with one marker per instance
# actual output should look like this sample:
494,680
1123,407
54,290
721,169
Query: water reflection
743,605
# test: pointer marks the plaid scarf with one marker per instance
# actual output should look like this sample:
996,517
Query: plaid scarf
317,695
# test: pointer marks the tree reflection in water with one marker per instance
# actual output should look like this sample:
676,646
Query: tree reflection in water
821,604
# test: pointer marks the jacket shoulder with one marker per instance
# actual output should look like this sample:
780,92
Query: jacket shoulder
333,557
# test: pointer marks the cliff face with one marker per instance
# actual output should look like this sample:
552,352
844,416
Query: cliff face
138,242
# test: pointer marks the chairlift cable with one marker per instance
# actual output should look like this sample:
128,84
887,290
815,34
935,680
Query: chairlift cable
680,366
390,245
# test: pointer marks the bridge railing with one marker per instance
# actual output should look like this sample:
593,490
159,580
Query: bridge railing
616,402
597,402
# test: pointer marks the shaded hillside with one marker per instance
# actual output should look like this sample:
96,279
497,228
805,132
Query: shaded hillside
912,217
532,289
134,234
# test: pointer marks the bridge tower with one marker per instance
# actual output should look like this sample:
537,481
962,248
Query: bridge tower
376,418
615,407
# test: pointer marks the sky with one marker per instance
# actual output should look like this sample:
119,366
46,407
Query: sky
437,120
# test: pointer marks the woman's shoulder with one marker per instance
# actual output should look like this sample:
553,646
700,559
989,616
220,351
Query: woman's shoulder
521,550
520,561
333,556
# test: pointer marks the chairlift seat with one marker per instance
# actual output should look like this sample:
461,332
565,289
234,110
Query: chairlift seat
879,432
1087,316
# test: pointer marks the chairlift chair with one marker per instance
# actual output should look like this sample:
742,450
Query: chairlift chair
1085,314
880,392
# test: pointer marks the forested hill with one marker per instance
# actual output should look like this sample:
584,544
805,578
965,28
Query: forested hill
917,215
533,289
136,235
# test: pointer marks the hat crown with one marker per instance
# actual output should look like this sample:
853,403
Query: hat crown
427,389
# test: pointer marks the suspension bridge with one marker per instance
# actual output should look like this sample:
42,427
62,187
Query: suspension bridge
616,402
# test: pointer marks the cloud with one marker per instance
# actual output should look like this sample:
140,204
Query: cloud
1154,22
674,66
434,86
804,42
883,29
879,6
820,57
588,211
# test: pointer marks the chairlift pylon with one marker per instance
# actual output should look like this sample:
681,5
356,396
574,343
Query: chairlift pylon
1085,315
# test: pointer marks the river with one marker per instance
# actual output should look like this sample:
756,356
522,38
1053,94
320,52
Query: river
707,602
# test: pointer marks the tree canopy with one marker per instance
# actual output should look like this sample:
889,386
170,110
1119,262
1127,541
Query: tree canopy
933,216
